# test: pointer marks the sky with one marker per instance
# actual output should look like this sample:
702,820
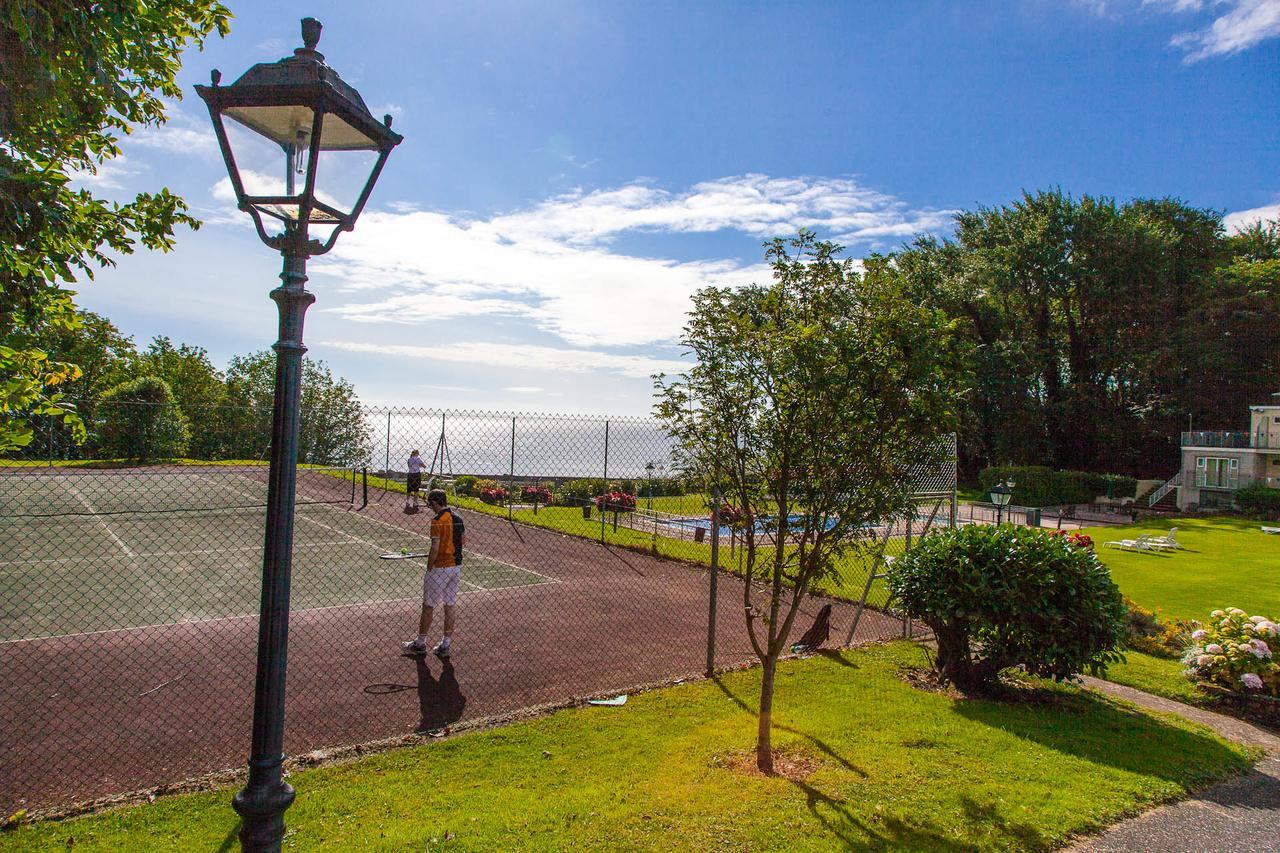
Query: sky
572,172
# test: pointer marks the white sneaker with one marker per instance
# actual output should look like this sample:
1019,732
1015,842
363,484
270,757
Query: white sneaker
414,647
442,649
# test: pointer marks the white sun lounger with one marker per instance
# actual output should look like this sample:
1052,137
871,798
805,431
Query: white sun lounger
1274,531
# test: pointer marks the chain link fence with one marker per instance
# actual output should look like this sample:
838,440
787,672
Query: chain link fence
129,625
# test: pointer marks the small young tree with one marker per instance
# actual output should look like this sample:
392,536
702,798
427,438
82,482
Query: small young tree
815,399
140,419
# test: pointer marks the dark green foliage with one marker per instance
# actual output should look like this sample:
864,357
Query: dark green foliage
1036,485
140,419
1259,501
579,492
332,432
464,485
74,78
1093,328
998,597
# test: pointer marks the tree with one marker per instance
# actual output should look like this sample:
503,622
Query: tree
198,387
74,77
333,430
1094,328
103,356
812,401
140,419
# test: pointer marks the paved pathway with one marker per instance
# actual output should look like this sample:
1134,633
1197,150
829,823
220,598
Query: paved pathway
1240,815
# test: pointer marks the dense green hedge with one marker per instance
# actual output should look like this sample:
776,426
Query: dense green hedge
1259,501
1005,596
1036,485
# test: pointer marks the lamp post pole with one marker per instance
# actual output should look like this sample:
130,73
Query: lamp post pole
288,103
262,802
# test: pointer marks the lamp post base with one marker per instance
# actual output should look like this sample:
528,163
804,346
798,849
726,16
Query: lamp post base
261,808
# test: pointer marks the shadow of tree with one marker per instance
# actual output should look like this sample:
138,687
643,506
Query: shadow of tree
920,833
814,741
1102,731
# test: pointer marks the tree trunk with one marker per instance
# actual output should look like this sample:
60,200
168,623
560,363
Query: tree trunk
764,740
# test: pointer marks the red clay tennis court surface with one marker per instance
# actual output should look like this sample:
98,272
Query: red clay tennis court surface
127,641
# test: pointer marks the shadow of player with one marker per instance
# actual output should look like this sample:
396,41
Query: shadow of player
440,699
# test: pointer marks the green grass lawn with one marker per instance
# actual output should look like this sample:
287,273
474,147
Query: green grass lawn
1228,562
1161,676
891,768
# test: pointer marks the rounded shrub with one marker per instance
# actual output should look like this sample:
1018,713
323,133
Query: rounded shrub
140,419
1005,596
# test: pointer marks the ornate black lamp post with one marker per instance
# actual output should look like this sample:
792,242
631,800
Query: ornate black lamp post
301,105
1000,496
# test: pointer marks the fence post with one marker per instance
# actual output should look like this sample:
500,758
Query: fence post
715,572
386,468
511,476
605,488
955,509
49,421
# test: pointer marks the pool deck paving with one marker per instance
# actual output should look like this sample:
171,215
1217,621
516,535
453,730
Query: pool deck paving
1241,814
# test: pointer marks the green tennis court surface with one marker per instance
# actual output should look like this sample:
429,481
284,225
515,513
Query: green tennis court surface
94,552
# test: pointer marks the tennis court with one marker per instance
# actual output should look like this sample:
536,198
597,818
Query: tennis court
145,550
127,646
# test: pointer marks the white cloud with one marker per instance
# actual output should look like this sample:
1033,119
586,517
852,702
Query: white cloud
524,389
1240,25
180,135
554,264
111,174
522,356
1239,220
754,204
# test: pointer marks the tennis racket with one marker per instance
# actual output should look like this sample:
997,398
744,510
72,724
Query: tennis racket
404,555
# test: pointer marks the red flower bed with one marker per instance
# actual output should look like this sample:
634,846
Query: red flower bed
1080,540
494,496
731,515
536,495
616,502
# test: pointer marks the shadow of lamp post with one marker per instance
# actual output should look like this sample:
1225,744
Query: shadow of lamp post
307,125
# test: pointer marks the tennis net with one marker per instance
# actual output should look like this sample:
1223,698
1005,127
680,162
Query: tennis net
70,492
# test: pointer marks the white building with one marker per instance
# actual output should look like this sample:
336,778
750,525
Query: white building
1215,464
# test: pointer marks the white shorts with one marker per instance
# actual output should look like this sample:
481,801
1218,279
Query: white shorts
441,584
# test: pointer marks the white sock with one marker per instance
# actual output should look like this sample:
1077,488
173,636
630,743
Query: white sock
445,640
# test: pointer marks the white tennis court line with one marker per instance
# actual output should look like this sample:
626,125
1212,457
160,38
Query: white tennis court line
352,537
403,530
143,554
97,516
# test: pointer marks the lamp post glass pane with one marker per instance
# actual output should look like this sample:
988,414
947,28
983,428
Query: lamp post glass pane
272,145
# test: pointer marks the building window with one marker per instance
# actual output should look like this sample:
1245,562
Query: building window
1217,472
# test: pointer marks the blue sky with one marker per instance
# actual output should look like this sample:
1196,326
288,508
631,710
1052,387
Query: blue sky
572,172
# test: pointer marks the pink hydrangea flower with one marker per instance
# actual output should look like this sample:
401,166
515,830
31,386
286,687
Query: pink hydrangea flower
1213,649
1252,681
1199,634
1204,660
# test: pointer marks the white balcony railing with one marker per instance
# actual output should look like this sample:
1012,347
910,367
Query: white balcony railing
1260,440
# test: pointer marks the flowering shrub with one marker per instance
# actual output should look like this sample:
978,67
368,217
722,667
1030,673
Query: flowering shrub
536,494
1076,538
616,502
1149,635
1234,651
494,495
